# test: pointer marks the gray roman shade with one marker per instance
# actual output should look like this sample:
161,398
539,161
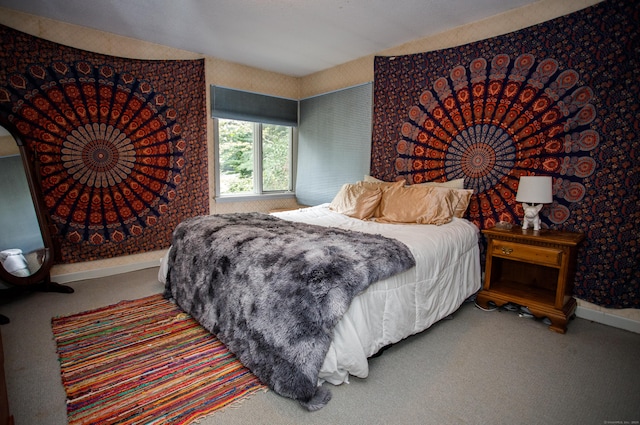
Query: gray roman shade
246,106
334,142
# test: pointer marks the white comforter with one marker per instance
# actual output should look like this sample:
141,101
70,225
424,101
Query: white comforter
447,272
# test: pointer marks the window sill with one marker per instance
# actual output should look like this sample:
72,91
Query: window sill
254,197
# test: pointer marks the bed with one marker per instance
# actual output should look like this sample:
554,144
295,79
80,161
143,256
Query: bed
446,273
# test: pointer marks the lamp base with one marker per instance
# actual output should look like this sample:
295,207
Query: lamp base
531,216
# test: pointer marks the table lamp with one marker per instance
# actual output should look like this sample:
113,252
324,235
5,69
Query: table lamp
533,192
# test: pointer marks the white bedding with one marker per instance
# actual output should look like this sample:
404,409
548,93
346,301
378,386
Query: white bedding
447,272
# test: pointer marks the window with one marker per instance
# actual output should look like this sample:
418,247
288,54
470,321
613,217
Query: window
255,138
253,158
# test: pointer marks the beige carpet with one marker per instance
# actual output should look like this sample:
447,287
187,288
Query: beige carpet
479,368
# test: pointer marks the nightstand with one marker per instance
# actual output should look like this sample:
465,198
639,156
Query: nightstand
534,269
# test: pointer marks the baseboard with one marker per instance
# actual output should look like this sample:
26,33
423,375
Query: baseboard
103,272
608,319
582,312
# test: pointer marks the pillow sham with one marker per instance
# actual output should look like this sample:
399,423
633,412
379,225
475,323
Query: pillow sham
417,204
356,201
383,186
461,199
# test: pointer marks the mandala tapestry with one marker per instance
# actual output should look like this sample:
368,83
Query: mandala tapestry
120,143
558,99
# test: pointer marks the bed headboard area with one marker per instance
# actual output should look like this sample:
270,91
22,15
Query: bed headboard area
558,99
121,143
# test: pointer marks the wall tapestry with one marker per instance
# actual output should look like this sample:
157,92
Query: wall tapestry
560,99
121,143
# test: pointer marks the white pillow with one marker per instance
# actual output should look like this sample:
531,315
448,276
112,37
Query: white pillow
452,184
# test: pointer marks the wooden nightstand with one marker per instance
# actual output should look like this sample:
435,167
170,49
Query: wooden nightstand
534,269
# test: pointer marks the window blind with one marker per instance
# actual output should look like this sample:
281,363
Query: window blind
334,142
247,106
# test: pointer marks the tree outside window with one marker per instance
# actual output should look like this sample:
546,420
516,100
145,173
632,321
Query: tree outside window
253,158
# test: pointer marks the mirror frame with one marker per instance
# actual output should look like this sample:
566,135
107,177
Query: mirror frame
42,277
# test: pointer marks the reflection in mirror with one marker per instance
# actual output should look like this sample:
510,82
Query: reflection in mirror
25,245
21,244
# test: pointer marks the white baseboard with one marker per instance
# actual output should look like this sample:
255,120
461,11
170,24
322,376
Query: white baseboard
598,316
103,272
608,319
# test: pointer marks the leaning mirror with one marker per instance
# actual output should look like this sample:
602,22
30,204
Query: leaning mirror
25,244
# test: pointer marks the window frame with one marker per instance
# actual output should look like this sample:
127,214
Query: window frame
258,191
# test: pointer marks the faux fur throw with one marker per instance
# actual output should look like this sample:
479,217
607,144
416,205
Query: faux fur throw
272,290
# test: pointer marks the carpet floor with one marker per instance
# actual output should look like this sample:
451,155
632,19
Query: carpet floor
479,368
144,361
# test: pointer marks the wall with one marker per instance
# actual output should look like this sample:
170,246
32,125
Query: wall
237,76
8,146
614,21
361,70
217,72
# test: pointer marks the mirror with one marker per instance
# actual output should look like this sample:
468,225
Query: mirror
26,255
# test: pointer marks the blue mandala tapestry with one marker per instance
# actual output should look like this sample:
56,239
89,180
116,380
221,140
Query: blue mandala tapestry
120,143
559,99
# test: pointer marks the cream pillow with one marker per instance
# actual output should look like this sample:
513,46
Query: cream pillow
453,184
374,183
417,204
356,201
461,199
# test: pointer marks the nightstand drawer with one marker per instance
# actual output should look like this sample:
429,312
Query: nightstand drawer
533,254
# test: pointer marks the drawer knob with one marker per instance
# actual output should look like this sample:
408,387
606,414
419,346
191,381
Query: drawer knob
507,251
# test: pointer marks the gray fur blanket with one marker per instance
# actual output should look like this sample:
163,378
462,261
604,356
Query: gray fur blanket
272,290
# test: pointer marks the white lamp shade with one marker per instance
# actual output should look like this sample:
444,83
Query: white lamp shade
535,190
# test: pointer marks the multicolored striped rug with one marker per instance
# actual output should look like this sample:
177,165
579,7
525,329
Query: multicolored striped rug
143,362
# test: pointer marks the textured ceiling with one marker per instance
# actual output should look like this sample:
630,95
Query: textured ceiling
292,37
